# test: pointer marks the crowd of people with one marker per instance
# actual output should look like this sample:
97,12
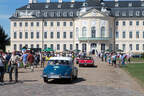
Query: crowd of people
115,59
10,62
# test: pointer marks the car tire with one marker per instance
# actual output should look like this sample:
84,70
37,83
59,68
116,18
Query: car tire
80,65
45,80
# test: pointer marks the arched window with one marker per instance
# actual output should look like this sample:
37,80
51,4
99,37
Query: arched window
93,32
77,32
84,30
102,31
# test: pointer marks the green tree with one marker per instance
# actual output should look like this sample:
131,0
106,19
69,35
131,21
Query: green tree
4,39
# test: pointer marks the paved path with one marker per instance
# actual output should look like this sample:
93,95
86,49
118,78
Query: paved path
103,80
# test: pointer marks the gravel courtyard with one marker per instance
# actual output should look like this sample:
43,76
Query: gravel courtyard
103,80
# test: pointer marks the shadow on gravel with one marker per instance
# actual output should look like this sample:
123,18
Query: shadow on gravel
19,82
65,81
95,66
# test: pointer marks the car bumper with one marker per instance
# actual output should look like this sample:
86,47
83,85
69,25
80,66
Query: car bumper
56,77
87,64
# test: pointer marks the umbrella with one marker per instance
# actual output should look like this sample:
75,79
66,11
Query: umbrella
48,49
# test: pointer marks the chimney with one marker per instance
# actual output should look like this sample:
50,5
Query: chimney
72,1
32,1
60,1
48,1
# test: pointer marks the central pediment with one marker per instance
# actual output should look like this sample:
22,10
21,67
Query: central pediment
93,13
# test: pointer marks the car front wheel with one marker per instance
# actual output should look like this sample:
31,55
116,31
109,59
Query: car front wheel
45,80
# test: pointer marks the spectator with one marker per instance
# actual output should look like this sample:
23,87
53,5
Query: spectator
13,62
30,59
24,59
2,69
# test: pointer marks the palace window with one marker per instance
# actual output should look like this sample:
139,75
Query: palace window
20,24
37,35
58,23
77,32
64,34
37,46
45,46
32,46
84,31
124,34
58,46
93,32
58,35
130,35
45,35
117,23
130,47
52,24
137,46
117,35
71,23
26,35
64,23
123,47
32,35
71,35
102,31
64,47
137,23
20,35
51,46
124,23
37,23
45,23
143,46
15,24
52,35
26,24
71,46
143,34
32,24
64,14
137,34
15,35
20,47
130,23
15,47
137,13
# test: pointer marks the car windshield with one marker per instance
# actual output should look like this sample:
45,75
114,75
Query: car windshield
86,58
58,62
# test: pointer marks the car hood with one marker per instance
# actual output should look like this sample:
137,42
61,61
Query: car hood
57,69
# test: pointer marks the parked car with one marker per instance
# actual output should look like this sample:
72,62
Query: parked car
60,68
86,61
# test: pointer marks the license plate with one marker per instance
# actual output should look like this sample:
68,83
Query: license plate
54,76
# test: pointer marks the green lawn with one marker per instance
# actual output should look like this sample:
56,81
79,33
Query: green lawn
137,71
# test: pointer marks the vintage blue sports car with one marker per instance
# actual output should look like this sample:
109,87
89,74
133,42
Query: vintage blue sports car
60,68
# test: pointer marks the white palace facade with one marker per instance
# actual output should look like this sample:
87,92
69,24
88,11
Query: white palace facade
93,25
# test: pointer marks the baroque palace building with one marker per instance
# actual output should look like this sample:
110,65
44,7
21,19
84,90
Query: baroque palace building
92,25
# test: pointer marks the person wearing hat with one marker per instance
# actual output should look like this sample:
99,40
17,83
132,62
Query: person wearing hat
2,69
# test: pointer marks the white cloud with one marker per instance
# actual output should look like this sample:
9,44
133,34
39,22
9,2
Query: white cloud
4,16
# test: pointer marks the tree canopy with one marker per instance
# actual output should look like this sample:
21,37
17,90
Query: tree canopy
4,39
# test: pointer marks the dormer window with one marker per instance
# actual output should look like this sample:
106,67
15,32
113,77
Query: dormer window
46,6
52,14
71,14
72,5
142,4
130,4
116,4
45,14
28,6
59,5
58,14
64,14
84,4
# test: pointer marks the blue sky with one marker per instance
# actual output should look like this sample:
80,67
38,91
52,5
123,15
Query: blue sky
8,7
